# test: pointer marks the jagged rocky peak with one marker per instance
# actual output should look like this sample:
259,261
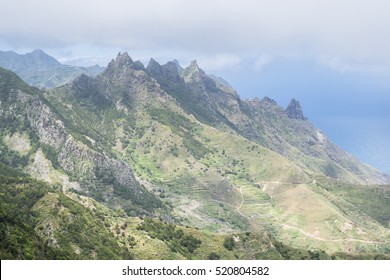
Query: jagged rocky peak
256,102
294,110
167,72
253,102
122,59
193,72
178,66
171,69
194,66
171,65
171,72
153,67
267,100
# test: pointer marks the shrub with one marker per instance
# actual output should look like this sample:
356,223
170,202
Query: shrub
213,256
229,243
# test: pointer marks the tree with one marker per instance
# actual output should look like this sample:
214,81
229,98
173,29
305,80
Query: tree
214,256
229,243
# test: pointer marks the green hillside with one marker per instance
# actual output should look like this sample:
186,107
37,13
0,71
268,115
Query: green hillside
163,163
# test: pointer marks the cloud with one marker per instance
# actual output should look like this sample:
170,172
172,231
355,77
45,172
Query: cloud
346,29
342,66
335,64
261,61
219,62
82,60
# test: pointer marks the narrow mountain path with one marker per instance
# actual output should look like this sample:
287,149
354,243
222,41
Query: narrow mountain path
266,183
331,240
242,202
286,182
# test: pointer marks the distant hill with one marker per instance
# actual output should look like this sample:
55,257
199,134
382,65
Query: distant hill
41,70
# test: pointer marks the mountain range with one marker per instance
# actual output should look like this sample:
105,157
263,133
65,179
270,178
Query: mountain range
165,162
42,70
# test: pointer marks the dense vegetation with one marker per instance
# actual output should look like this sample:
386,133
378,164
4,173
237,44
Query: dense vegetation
120,157
38,222
175,238
10,81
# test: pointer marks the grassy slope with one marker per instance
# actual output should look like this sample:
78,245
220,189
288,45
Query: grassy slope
369,199
212,179
217,180
39,222
238,185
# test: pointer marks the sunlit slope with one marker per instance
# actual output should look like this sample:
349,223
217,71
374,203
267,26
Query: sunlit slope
123,144
39,221
209,177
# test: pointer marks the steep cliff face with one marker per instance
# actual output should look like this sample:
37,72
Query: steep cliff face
289,133
182,146
99,175
285,131
127,87
197,93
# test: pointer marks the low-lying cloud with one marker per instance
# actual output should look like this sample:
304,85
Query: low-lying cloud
345,29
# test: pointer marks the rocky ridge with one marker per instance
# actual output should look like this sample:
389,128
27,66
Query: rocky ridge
41,70
181,146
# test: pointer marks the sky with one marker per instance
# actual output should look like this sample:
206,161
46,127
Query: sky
332,55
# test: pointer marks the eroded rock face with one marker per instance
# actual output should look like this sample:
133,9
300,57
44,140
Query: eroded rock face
75,154
80,160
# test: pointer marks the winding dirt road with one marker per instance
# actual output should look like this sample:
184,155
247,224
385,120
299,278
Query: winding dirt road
330,240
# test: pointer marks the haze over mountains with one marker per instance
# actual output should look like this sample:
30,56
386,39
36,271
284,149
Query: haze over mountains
41,70
215,173
350,107
357,128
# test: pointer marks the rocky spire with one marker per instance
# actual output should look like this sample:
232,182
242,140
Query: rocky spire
167,72
123,59
179,68
171,72
154,67
294,110
193,72
194,66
